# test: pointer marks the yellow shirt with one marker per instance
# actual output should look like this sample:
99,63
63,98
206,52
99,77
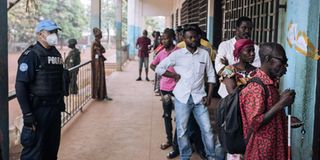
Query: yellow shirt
203,43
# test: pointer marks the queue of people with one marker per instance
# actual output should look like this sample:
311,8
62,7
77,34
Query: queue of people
188,66
236,61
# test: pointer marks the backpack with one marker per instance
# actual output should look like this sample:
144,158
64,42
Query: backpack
229,120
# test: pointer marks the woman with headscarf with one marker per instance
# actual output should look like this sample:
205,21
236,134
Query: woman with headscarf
238,74
99,87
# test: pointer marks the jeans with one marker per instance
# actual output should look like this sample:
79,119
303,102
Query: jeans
201,115
167,105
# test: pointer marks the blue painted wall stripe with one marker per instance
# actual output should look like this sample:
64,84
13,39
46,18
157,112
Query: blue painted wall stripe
210,29
301,74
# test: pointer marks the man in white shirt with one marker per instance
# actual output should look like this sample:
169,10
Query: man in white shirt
190,64
225,50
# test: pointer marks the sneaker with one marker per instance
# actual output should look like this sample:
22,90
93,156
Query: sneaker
138,79
147,79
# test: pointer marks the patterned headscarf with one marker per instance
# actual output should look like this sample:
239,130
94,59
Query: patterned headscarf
96,31
240,45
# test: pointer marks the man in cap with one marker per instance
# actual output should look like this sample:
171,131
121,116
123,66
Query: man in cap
40,92
72,60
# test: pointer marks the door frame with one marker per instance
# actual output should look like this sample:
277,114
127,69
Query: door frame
316,134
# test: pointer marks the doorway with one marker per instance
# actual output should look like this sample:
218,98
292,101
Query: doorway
316,135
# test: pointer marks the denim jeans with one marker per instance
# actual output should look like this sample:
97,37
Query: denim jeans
201,115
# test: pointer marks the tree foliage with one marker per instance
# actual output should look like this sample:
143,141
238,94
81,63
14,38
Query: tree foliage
154,24
108,16
68,14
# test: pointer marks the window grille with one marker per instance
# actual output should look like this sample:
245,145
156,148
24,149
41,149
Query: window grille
195,11
264,15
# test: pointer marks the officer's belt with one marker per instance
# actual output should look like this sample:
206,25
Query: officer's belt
47,98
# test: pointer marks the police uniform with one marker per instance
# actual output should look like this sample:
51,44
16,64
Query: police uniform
40,92
72,60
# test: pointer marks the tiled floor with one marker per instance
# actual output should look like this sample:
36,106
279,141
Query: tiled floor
128,128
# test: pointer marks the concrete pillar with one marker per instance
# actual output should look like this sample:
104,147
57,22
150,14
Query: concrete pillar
168,21
134,25
210,21
4,114
139,20
118,24
95,14
131,27
302,71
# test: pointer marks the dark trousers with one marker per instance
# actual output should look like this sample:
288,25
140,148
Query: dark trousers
168,106
47,133
73,82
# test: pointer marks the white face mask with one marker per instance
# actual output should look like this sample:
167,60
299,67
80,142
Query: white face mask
52,39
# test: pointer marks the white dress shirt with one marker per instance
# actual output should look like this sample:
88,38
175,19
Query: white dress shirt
191,68
225,49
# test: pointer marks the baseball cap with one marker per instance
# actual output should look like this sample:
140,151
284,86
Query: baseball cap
47,25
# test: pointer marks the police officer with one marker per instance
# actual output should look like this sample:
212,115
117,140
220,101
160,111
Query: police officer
72,60
39,89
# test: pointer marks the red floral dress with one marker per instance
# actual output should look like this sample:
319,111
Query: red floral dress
270,141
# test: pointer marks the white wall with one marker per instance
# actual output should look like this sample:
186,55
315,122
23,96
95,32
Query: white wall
157,7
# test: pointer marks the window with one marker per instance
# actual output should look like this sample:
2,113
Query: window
195,11
264,15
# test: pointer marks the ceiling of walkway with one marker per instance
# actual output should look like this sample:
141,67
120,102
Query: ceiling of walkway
149,7
157,7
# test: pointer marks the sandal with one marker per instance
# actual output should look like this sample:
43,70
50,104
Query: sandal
164,146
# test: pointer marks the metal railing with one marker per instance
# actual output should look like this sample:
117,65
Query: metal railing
125,54
75,101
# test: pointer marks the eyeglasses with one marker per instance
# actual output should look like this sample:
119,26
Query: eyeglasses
283,61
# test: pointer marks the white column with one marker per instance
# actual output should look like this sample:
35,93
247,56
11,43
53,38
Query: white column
131,27
95,13
210,20
119,34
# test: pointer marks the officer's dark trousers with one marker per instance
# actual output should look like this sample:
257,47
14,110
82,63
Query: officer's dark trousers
167,110
47,139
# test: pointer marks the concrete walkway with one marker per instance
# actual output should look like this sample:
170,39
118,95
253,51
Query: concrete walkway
128,128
